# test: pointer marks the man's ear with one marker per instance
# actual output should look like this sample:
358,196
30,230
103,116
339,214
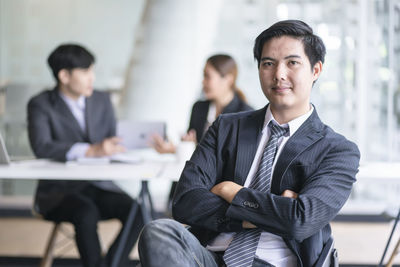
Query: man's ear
317,69
63,76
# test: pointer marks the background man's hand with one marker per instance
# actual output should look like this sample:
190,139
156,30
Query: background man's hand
107,147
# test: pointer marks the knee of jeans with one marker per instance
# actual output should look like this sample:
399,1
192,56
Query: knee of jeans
160,225
159,228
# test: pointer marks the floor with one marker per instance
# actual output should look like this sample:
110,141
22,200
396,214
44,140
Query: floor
357,243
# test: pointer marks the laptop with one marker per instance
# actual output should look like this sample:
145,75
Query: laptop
4,157
138,134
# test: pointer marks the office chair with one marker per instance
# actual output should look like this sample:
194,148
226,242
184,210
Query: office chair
65,244
396,248
329,256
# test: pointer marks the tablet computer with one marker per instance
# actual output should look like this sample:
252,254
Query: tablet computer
137,134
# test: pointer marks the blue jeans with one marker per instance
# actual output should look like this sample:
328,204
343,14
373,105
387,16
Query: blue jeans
167,243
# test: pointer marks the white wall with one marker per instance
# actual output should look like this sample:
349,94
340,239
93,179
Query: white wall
31,29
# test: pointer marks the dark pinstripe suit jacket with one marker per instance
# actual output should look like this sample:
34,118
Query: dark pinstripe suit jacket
53,129
316,162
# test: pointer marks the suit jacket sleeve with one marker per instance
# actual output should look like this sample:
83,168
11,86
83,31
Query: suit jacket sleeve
41,136
326,179
193,203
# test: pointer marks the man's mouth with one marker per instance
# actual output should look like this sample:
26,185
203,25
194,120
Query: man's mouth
282,88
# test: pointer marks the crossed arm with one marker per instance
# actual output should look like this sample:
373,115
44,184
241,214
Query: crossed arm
228,190
205,200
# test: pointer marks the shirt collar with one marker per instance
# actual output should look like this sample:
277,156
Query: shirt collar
80,102
293,125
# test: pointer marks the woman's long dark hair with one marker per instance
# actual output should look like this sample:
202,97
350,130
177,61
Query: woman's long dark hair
225,64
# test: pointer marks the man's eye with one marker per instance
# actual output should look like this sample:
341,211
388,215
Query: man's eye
292,62
267,63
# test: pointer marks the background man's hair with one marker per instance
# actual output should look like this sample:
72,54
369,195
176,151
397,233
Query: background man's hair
314,47
69,56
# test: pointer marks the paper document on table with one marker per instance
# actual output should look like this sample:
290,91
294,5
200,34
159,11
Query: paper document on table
127,157
94,160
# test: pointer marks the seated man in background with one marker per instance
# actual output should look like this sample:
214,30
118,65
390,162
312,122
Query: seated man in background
262,186
70,122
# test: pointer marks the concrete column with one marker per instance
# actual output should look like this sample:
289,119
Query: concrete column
164,78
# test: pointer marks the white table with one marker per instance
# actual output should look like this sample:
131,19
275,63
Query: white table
50,170
150,168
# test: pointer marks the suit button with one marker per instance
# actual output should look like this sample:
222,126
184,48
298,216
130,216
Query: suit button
251,204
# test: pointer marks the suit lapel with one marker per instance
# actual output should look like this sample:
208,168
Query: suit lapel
305,136
65,113
250,128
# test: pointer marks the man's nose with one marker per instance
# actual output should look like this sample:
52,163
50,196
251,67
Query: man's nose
280,72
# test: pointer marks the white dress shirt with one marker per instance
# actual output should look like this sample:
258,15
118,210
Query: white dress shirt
271,248
211,116
77,108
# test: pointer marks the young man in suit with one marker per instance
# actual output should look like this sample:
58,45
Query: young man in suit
70,122
262,186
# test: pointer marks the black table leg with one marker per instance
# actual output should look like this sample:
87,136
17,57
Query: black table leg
124,235
145,204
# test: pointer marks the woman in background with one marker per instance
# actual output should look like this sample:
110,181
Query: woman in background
222,96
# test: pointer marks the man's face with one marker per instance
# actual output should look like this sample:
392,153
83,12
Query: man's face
286,75
78,81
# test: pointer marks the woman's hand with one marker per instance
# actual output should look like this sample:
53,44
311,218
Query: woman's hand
190,136
162,146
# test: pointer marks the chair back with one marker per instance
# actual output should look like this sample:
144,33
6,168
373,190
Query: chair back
329,256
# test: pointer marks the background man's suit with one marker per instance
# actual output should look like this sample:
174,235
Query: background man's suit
317,163
53,130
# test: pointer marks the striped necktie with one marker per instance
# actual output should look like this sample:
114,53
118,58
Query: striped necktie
241,251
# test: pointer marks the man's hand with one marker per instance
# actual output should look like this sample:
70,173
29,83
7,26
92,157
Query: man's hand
286,193
289,194
227,190
248,225
107,147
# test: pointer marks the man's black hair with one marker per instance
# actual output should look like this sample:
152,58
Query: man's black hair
69,56
314,47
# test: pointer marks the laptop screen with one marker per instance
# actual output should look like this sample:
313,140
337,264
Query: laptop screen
4,158
136,134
